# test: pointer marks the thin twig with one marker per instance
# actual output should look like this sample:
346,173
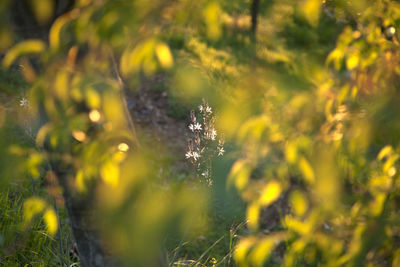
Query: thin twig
123,99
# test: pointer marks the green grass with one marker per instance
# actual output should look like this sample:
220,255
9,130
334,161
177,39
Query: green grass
223,225
11,82
21,245
32,245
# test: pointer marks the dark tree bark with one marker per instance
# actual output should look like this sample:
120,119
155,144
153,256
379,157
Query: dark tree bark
254,15
81,211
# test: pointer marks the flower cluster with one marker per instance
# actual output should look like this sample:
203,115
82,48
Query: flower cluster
202,147
24,102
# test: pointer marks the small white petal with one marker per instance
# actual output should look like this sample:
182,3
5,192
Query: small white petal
23,102
213,134
195,155
197,126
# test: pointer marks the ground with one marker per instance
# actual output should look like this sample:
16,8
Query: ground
157,121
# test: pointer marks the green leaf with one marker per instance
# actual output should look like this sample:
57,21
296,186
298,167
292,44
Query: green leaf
23,48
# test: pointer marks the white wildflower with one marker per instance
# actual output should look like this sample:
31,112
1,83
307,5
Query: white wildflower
189,154
208,109
201,108
197,126
24,102
195,155
213,134
221,151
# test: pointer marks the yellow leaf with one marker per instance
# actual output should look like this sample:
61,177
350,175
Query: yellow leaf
311,10
33,163
298,202
25,47
352,62
43,132
261,252
32,207
93,99
386,151
61,85
264,247
270,193
240,174
390,162
110,173
50,219
55,30
380,184
306,170
124,64
242,248
113,111
376,206
291,152
253,213
142,57
303,228
164,55
80,181
335,57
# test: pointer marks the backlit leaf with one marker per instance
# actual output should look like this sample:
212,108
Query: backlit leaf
253,214
240,174
352,62
298,202
164,55
242,249
32,207
59,23
270,193
311,10
110,173
387,150
306,170
50,219
23,48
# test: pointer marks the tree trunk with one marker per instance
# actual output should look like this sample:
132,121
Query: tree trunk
81,210
254,15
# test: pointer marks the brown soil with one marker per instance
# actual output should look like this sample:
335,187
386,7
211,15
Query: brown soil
149,110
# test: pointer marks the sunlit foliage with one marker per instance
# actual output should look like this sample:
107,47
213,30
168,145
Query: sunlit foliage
309,103
330,145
